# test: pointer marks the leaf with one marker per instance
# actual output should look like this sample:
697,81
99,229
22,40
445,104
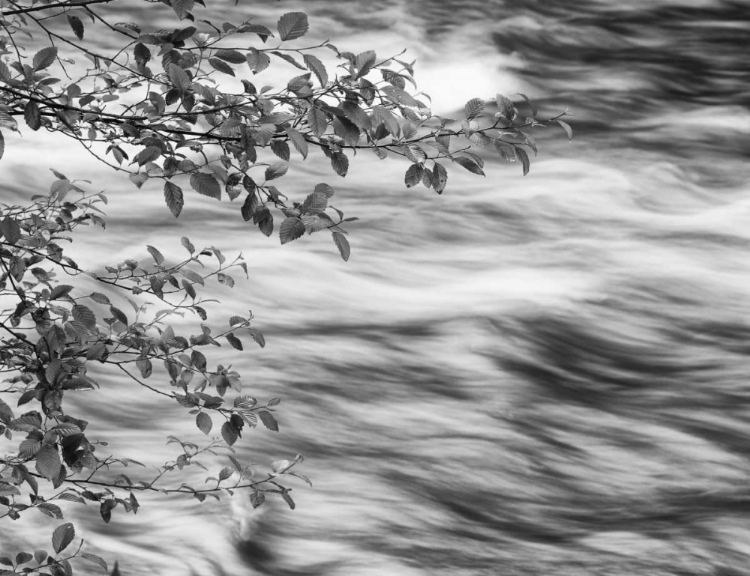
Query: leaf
298,140
342,244
287,498
139,179
10,229
292,25
234,341
48,462
62,536
44,58
268,420
317,121
178,77
118,315
2,144
229,433
51,510
187,244
524,158
469,164
221,66
281,149
76,25
534,111
182,8
95,559
340,163
291,229
5,74
173,198
230,56
317,68
473,108
257,499
264,219
505,107
85,316
32,115
158,257
40,556
276,171
413,175
439,177
206,184
567,128
257,61
204,422
192,276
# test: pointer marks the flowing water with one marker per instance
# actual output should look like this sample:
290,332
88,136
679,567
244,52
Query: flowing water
539,375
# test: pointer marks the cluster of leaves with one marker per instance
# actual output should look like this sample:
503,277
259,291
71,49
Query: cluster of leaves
173,107
53,331
180,107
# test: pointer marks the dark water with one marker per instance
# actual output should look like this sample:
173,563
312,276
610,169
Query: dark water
540,375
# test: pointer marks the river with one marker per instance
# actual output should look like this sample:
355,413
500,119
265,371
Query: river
528,375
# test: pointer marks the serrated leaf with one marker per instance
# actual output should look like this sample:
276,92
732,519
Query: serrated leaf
257,336
182,8
257,61
173,197
192,276
298,140
230,56
439,177
155,254
276,171
51,510
62,536
206,184
228,433
469,164
95,559
340,163
10,230
76,25
268,420
221,66
505,107
413,175
178,77
292,25
317,121
48,462
291,229
342,244
119,315
85,316
264,219
473,108
139,179
204,422
187,244
524,158
32,115
317,68
44,58
249,206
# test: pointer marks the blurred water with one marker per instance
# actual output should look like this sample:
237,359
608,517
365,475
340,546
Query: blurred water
540,375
